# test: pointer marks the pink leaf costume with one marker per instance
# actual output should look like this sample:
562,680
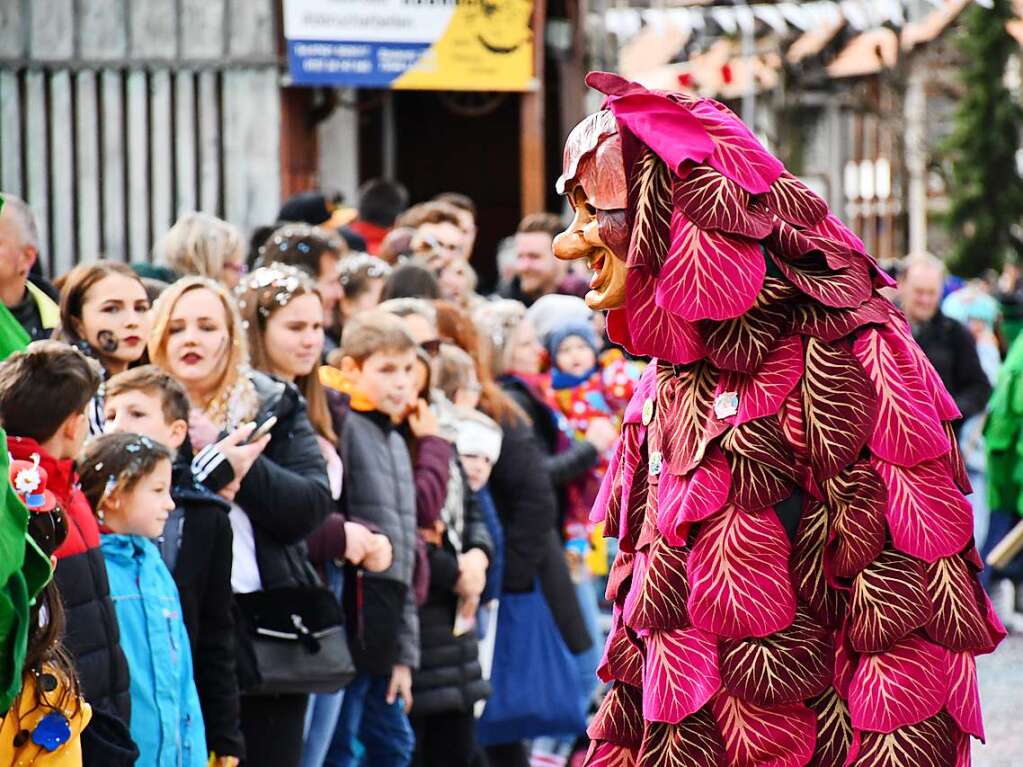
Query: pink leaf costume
796,583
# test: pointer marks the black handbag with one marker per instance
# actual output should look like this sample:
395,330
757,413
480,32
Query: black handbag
297,639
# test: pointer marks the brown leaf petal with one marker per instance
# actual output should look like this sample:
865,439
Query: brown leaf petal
786,667
827,603
931,743
956,620
693,742
857,500
651,204
712,201
619,719
839,406
889,600
834,730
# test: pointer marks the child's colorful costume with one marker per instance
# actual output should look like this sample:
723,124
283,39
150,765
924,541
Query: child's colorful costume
797,582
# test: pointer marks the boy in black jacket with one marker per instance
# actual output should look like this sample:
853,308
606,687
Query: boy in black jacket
196,546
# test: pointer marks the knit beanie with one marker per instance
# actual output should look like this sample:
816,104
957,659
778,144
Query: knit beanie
583,330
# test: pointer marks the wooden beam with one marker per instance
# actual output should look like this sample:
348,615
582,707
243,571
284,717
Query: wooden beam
532,170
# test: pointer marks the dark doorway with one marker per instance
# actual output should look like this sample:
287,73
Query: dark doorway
454,142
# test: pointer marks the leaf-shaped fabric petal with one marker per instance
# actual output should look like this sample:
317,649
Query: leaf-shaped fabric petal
618,576
650,330
844,288
908,429
651,205
634,487
857,501
931,743
794,244
694,742
709,274
954,460
832,228
762,393
657,597
670,130
646,387
834,729
963,701
603,754
685,402
789,666
790,417
742,343
898,688
680,674
826,324
712,201
619,719
838,407
739,579
685,500
927,515
889,600
780,736
807,566
899,336
764,470
957,622
846,659
623,658
609,496
737,153
792,200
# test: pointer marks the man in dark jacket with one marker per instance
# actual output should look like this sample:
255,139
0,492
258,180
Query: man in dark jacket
947,343
196,547
65,380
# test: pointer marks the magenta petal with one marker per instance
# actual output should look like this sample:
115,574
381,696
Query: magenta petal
963,701
832,228
646,388
707,489
927,514
680,674
670,489
898,688
907,429
708,274
669,129
598,512
736,151
763,393
761,736
652,331
739,575
899,335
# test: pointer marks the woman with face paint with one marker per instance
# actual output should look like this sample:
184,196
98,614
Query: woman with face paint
278,485
104,312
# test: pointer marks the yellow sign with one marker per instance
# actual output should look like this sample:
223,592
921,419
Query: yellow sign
471,45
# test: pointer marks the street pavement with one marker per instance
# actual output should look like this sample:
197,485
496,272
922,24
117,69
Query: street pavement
1001,696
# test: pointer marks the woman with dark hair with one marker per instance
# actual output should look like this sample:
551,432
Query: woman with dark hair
411,281
104,312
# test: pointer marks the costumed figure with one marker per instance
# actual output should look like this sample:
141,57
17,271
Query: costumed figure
797,581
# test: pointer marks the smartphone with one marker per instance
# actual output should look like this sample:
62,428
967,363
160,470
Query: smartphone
262,430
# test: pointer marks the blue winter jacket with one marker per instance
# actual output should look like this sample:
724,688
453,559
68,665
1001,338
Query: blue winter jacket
166,721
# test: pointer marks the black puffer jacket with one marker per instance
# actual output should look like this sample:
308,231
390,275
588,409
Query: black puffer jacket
523,494
286,494
449,678
950,347
196,546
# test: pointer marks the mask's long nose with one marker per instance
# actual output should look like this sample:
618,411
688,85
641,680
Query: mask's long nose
570,244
